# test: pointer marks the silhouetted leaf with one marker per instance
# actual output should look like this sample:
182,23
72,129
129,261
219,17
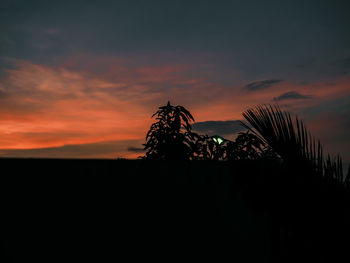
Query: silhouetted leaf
291,141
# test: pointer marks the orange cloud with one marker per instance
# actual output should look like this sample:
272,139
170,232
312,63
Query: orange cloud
49,106
45,106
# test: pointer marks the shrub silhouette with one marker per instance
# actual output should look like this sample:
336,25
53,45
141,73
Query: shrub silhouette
248,146
171,138
206,148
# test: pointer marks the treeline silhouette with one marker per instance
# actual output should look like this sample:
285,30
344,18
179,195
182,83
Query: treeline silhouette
304,192
271,135
271,195
171,138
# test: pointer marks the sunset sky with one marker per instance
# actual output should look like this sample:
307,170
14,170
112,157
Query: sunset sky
82,78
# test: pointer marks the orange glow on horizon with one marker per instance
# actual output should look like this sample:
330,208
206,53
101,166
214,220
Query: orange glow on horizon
46,106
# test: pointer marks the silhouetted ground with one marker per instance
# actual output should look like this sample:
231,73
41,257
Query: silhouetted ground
105,210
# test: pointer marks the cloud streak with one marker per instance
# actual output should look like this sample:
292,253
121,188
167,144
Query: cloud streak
291,95
261,85
107,149
136,149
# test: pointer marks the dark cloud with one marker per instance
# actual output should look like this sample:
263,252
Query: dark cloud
89,150
136,149
260,85
218,127
257,41
291,95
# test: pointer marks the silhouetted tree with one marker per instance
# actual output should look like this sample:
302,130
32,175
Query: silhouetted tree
171,138
248,146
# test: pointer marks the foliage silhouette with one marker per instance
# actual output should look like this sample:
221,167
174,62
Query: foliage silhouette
307,198
171,138
248,146
207,149
292,141
272,134
283,171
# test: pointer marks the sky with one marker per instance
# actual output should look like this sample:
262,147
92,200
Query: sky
81,79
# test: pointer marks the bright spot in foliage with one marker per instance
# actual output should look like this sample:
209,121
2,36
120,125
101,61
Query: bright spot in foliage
218,140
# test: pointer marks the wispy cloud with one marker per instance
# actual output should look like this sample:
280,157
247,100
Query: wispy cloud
261,85
136,149
45,106
108,149
291,95
49,106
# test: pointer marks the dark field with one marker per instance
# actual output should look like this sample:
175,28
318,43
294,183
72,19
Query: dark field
109,210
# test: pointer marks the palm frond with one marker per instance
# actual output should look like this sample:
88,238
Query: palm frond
291,140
